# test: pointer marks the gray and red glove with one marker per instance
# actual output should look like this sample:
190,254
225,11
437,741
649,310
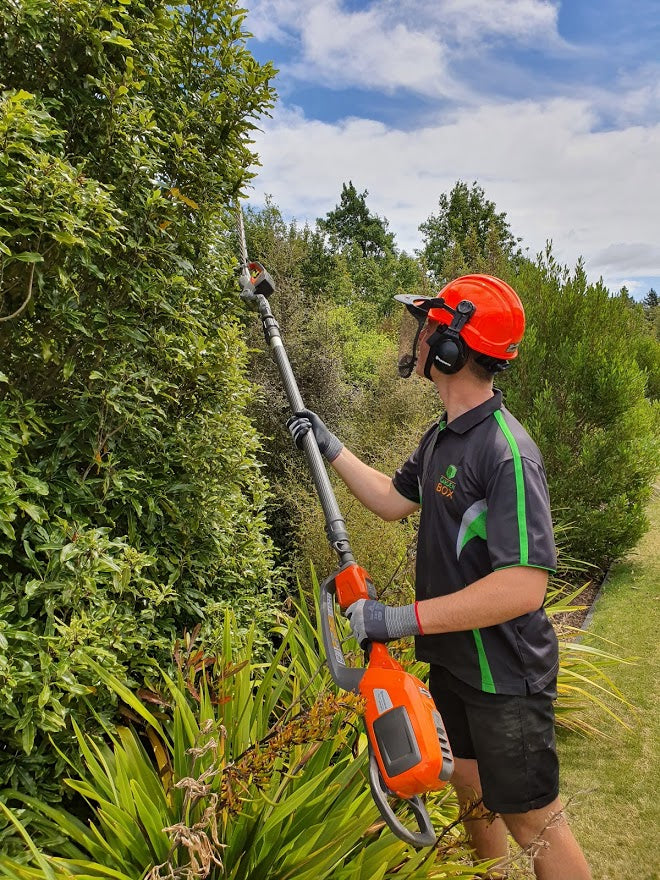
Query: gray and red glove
372,621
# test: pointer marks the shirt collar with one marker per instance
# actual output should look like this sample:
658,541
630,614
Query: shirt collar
473,416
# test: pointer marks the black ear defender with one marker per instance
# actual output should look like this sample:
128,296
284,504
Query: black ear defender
447,349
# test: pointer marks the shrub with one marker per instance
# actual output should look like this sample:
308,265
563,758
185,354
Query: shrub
246,771
579,390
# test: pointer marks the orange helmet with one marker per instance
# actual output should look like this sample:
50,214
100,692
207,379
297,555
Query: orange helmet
478,311
498,322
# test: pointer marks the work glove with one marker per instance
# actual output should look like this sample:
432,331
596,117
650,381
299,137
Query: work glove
372,621
300,423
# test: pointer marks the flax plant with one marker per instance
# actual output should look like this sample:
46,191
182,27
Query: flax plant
237,770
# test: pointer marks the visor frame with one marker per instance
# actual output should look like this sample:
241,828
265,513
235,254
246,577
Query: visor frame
418,305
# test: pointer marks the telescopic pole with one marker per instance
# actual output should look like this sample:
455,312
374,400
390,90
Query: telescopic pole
256,287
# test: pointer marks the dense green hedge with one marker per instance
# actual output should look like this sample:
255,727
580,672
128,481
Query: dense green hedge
131,500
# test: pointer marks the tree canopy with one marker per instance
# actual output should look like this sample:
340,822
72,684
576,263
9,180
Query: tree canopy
467,234
351,222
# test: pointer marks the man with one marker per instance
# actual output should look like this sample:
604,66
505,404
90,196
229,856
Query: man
485,548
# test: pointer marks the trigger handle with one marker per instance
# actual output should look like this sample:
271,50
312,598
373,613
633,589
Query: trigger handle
346,677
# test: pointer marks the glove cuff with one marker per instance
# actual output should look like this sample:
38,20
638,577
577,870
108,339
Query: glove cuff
333,447
401,621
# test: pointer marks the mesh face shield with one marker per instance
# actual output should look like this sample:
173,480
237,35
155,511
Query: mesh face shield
412,324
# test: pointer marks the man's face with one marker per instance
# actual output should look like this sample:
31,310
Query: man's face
423,347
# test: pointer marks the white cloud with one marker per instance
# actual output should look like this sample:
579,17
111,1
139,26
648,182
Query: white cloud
641,257
635,98
594,193
369,49
274,20
397,44
470,22
365,49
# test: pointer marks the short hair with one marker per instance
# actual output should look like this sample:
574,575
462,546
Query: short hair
484,367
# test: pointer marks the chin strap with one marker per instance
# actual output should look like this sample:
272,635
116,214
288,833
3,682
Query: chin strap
493,365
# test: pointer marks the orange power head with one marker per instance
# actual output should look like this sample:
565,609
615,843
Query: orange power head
353,583
260,280
404,727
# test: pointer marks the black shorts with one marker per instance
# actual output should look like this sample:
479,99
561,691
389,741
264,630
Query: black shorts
511,737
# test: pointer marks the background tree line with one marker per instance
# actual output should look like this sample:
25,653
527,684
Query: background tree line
147,483
585,384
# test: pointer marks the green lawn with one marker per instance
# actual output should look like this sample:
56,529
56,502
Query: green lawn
615,783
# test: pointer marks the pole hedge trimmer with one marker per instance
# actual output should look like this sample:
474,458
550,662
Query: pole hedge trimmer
409,754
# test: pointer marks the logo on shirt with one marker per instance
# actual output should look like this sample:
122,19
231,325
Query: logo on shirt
446,484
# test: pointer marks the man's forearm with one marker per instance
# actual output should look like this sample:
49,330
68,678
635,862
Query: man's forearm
371,487
497,597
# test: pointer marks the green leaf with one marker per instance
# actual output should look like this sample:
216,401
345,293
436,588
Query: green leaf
34,511
44,696
116,39
48,872
68,551
64,237
29,257
20,96
27,737
127,696
7,529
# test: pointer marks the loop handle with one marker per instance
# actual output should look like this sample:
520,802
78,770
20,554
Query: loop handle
419,839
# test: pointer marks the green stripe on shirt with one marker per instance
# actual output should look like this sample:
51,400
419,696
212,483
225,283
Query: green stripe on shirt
520,486
487,683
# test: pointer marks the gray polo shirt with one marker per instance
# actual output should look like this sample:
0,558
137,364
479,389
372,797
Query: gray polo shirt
485,507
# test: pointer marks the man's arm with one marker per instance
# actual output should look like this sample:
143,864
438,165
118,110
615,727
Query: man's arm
495,598
372,488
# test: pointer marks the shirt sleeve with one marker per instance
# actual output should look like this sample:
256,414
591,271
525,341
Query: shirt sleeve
408,479
519,524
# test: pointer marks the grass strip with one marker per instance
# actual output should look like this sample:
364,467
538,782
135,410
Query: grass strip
614,782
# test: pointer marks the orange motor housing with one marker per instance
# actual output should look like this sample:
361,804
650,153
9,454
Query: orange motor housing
404,728
353,583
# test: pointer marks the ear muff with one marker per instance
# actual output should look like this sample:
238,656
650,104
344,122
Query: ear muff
448,351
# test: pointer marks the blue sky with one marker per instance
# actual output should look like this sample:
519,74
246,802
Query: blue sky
553,107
